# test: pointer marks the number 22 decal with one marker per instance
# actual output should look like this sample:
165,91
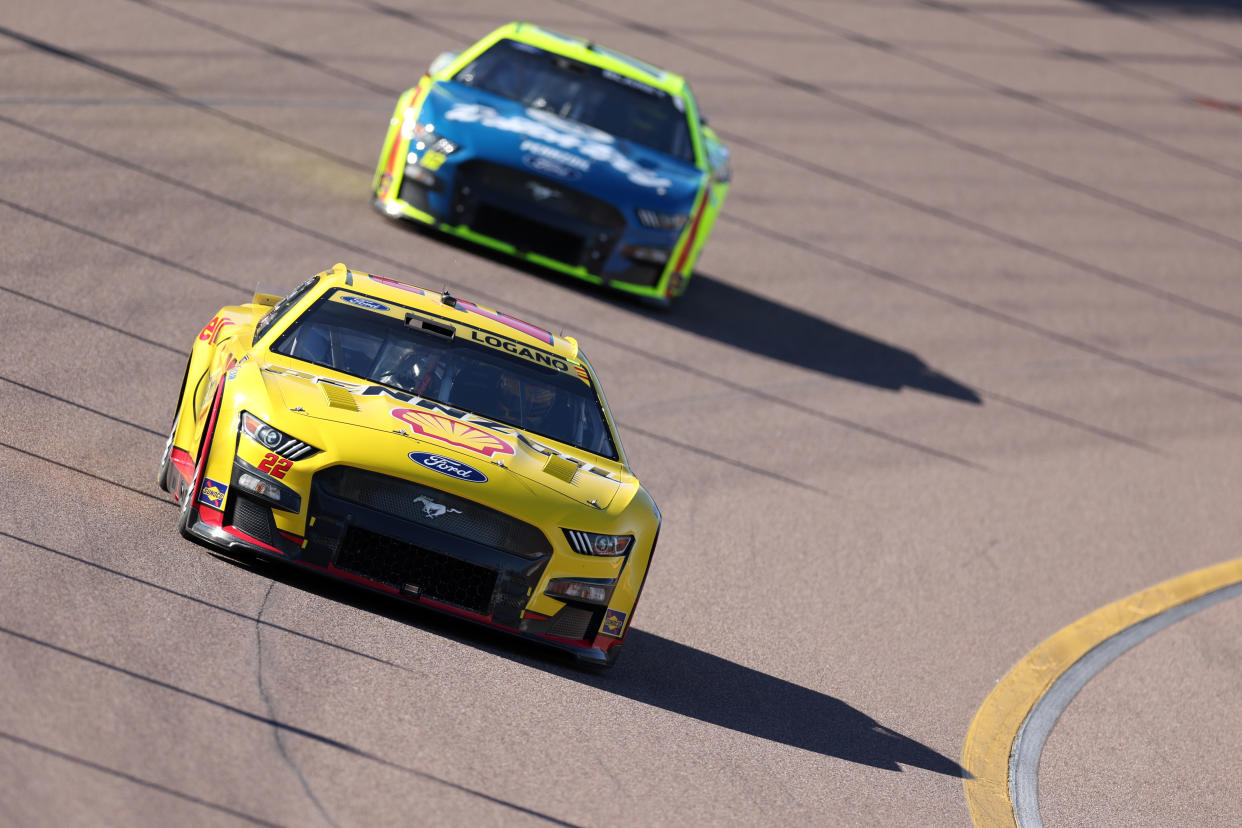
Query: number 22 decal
274,465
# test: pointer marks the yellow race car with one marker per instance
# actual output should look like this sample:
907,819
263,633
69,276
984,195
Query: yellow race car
420,446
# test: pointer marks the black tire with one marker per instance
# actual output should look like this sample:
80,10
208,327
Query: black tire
161,479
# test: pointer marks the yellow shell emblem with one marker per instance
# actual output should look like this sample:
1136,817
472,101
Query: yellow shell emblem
453,432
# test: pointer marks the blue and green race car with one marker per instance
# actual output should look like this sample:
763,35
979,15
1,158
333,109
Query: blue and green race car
561,152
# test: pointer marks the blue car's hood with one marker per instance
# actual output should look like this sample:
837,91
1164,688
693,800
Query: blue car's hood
506,132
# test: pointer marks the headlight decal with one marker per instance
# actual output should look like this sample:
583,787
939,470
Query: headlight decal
661,221
590,543
275,440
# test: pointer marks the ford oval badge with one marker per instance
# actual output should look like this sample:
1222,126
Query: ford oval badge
448,466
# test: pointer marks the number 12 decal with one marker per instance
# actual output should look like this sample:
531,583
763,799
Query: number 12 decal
274,465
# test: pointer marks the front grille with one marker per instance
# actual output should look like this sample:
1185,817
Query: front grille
571,622
526,235
397,564
522,186
435,509
415,195
640,273
253,518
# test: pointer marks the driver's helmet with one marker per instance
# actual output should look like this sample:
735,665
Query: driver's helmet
648,120
527,403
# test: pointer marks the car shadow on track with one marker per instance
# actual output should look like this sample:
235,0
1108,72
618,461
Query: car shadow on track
1172,8
668,675
735,316
682,679
731,315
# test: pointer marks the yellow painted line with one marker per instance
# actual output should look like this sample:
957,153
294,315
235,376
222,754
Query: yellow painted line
991,736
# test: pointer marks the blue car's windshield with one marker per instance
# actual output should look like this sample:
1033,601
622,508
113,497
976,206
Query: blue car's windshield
609,102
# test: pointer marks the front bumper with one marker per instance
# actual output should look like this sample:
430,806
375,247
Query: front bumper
541,220
361,533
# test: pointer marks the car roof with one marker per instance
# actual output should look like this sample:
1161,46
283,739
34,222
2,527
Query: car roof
446,306
589,52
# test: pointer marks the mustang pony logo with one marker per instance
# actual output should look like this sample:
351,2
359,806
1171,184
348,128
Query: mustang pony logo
540,192
434,510
614,621
453,432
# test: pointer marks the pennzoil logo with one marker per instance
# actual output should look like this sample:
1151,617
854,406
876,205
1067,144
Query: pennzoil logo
213,493
453,432
614,623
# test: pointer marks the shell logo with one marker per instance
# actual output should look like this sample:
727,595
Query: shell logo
453,432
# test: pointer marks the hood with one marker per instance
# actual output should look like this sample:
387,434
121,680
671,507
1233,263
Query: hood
431,431
490,127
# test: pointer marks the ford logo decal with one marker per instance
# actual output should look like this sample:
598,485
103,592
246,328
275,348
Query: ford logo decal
547,165
363,302
448,466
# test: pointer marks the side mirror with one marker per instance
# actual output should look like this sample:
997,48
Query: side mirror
441,62
262,297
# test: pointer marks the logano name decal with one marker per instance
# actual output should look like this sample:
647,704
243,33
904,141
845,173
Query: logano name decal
532,354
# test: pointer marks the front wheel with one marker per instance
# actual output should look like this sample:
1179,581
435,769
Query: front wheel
161,479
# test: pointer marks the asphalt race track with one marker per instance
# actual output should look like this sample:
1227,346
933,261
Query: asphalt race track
960,368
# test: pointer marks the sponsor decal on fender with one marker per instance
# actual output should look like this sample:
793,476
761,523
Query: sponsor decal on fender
614,623
214,327
452,432
213,493
448,466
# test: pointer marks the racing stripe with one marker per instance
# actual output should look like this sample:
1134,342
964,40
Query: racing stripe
694,229
207,437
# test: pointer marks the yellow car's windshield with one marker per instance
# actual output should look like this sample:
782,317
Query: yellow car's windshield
457,366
